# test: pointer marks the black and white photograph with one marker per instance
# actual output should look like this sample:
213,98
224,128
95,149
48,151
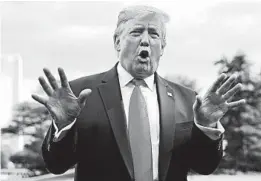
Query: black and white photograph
130,90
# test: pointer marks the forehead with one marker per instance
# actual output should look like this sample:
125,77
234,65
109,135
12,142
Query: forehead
151,20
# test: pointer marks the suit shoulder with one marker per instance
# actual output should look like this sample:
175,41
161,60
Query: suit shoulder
181,87
90,79
188,93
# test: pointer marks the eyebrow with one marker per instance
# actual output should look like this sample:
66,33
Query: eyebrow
154,29
150,28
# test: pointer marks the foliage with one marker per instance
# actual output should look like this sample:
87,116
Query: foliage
4,159
31,120
243,124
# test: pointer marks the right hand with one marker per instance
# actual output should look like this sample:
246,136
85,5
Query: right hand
61,102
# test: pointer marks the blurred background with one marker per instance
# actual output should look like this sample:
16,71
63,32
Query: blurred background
204,39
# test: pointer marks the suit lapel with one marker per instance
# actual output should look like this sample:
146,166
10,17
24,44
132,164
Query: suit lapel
111,96
167,124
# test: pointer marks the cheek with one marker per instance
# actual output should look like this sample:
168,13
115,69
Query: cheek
129,47
156,50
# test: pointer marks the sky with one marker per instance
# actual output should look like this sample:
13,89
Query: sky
78,36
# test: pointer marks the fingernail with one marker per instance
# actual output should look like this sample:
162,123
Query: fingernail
224,75
40,78
46,71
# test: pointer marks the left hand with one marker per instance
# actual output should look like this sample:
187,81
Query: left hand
209,109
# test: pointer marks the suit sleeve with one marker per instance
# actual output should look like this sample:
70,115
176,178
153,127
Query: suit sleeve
213,133
59,146
60,155
58,135
203,154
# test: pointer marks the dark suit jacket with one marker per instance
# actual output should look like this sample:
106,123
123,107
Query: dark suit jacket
98,143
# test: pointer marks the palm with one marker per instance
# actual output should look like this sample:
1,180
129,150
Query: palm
213,106
62,104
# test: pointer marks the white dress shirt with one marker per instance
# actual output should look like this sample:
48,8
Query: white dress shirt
151,98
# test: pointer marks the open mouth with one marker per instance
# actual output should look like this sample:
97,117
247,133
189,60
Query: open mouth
144,54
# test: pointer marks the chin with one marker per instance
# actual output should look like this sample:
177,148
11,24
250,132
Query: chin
142,74
141,70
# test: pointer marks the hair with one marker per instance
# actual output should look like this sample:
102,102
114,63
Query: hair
133,12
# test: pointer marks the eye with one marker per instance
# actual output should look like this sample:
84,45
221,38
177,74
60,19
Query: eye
135,33
154,35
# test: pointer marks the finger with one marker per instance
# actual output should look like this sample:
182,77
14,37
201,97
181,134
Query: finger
232,91
197,103
39,99
224,87
230,99
83,96
45,86
64,81
236,103
215,86
50,78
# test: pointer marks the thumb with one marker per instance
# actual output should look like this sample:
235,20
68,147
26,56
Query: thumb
83,96
197,103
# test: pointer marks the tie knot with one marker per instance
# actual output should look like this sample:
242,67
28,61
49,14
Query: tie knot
138,82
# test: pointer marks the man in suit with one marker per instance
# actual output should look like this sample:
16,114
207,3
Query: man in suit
129,123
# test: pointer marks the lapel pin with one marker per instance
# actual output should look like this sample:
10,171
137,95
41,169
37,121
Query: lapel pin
169,94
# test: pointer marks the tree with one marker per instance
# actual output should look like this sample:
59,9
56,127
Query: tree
4,158
30,120
243,124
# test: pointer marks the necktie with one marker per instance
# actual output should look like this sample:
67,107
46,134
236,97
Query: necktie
139,135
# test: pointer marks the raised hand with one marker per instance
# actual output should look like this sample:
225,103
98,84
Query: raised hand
214,104
62,104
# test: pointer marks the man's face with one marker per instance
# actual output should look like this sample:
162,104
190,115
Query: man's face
140,45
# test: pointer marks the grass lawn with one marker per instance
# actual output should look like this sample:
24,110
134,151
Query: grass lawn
240,177
68,176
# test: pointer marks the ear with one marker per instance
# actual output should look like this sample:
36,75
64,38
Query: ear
117,43
162,49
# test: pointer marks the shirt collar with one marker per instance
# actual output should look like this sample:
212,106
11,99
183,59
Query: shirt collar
125,77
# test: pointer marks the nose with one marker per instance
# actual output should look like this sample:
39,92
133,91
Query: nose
145,40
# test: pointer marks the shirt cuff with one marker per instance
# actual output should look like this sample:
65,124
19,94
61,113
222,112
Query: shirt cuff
212,133
58,135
